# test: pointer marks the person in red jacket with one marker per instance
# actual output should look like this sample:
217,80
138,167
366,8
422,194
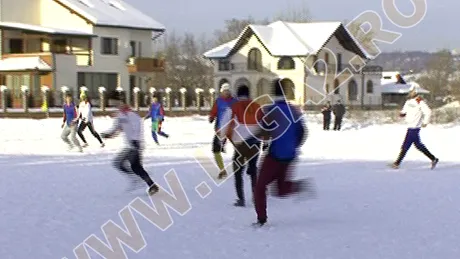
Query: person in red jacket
217,111
241,125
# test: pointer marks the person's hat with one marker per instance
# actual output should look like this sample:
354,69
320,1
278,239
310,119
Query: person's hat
413,88
225,87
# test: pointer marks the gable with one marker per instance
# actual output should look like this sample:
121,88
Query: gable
112,13
243,40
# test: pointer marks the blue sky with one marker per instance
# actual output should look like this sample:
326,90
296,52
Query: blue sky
205,16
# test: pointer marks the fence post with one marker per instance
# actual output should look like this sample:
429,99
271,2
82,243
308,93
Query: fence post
183,90
25,95
168,98
198,98
211,96
83,91
102,98
45,107
4,89
136,91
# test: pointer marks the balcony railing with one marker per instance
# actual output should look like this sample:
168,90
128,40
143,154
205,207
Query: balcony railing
240,67
145,65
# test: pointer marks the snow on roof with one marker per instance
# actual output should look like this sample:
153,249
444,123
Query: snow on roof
24,64
402,88
285,39
116,13
36,28
221,50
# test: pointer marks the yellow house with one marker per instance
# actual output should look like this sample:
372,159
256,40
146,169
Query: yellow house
75,43
321,59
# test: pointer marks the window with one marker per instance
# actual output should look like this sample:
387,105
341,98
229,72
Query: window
59,46
286,63
370,87
109,46
224,65
16,46
94,80
336,87
352,91
255,60
117,5
87,3
316,63
132,44
339,62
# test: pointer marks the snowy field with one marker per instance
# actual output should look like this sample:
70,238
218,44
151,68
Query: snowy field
51,200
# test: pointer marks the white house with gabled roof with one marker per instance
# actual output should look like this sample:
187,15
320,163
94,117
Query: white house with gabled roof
302,53
76,43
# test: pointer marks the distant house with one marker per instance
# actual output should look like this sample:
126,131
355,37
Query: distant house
291,50
75,43
395,87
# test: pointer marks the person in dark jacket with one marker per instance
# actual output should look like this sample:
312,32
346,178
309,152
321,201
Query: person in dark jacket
285,128
326,111
339,111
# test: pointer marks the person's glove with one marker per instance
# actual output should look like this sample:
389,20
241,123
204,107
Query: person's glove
211,120
62,126
265,146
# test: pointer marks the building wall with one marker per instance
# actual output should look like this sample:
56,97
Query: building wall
54,15
21,11
118,63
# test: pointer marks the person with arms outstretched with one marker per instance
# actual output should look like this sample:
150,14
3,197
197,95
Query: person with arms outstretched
130,124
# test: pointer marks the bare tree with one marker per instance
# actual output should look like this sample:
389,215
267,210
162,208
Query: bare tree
295,14
232,30
440,68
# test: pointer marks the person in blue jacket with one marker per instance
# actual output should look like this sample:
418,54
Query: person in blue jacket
285,128
156,114
224,102
69,124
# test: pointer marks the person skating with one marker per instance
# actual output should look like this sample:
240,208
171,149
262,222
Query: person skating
156,114
326,111
86,120
69,124
130,124
241,126
417,115
218,109
339,111
287,131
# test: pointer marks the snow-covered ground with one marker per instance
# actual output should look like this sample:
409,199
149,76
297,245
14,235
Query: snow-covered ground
52,200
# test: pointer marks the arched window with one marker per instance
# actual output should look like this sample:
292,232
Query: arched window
255,59
286,63
336,86
223,81
352,91
370,87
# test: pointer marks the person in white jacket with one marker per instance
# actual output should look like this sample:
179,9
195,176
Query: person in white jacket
85,114
417,115
130,123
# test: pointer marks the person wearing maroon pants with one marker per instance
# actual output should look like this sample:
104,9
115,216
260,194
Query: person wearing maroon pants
286,129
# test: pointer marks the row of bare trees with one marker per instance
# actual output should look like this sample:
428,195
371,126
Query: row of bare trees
441,77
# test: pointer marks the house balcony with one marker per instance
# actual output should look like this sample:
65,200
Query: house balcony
25,40
320,69
145,65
